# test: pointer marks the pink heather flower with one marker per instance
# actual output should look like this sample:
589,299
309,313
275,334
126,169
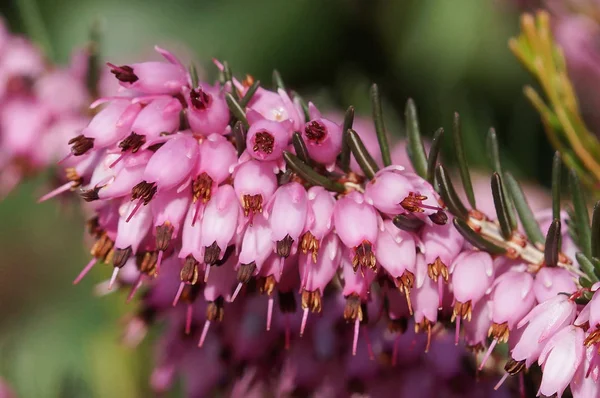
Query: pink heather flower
219,223
61,92
560,358
152,77
320,212
254,184
217,156
119,181
20,59
543,321
323,138
191,238
276,106
584,385
476,331
256,244
472,275
512,298
266,139
159,117
168,210
287,216
356,223
425,300
207,110
388,189
551,281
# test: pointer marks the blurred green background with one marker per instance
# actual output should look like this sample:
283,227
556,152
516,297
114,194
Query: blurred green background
59,340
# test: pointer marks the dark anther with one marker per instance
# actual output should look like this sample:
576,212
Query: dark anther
144,190
211,253
215,310
245,272
81,144
133,142
284,246
315,131
123,73
202,188
513,367
121,256
200,99
189,272
353,309
264,142
164,233
439,217
89,195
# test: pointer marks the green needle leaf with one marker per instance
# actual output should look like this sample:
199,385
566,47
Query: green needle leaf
229,78
309,175
277,80
596,231
300,147
531,226
461,156
475,239
552,246
408,223
501,207
194,75
587,266
581,215
240,137
93,70
494,155
379,126
434,151
362,156
249,94
344,159
416,151
448,193
556,183
298,98
236,109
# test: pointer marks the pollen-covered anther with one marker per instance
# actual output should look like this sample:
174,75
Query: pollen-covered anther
284,246
364,257
123,73
121,256
252,204
425,326
513,367
406,282
200,99
72,175
202,188
189,271
164,234
80,145
212,253
267,284
245,272
310,243
264,142
146,262
133,142
437,269
144,191
462,310
499,331
215,310
103,248
593,338
413,203
311,300
353,309
315,131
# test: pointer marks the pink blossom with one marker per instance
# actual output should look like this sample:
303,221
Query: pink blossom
266,139
323,137
254,184
207,110
219,223
551,281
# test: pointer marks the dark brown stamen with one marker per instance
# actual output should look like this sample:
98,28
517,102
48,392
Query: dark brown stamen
164,233
103,248
315,132
90,195
200,99
133,142
267,285
81,144
212,253
284,246
123,73
364,257
144,190
513,367
245,272
439,217
72,175
215,310
310,243
121,256
252,204
399,325
189,272
287,302
263,142
311,300
413,203
353,308
202,188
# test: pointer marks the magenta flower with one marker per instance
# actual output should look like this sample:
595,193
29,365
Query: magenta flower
551,281
287,217
254,184
266,139
323,138
219,224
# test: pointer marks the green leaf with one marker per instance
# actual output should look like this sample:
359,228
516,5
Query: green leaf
236,109
448,193
586,265
194,75
556,183
379,126
298,98
408,223
475,239
229,78
362,156
552,245
277,80
501,207
300,147
93,65
309,175
581,219
415,149
494,155
434,151
249,94
240,137
344,158
596,231
461,157
530,225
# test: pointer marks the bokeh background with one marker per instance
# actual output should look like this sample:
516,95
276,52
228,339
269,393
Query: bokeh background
58,340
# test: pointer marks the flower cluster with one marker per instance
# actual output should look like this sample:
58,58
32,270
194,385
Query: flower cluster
229,197
40,108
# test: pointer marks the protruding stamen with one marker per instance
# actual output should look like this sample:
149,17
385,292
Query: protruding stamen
117,160
178,294
123,73
269,312
440,283
488,353
497,386
113,278
133,142
204,332
188,318
414,203
212,253
80,145
364,257
56,192
304,319
85,270
428,337
237,291
355,340
138,284
144,191
135,209
457,333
